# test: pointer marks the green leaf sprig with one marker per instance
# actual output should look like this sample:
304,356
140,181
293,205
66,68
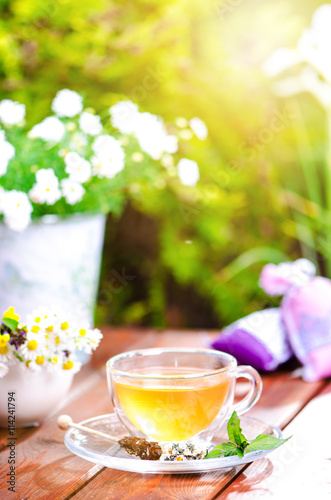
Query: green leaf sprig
239,445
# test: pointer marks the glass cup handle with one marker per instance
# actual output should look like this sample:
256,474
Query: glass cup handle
254,392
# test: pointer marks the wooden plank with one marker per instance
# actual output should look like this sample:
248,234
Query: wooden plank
111,484
300,468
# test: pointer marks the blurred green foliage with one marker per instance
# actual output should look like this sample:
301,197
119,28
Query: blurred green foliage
176,58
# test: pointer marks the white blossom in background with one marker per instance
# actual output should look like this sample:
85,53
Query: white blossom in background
72,191
188,172
77,167
199,128
46,189
7,152
51,129
11,112
153,137
67,103
123,116
17,210
90,124
313,51
109,157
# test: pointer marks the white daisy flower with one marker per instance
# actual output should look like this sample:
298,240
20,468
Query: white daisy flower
123,116
2,199
78,168
188,172
7,152
152,136
72,191
17,210
33,347
67,103
3,369
88,339
46,189
109,157
11,112
90,124
51,129
7,353
199,128
71,364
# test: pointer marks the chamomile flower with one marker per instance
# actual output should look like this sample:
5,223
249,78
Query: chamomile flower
70,364
51,129
2,198
7,351
73,192
109,157
123,116
34,345
7,152
78,168
17,210
153,137
90,124
46,189
188,172
199,128
88,339
67,103
11,112
49,341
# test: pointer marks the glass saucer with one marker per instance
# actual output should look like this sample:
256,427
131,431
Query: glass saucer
98,450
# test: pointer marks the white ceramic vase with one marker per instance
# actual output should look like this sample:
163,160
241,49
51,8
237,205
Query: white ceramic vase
36,395
53,262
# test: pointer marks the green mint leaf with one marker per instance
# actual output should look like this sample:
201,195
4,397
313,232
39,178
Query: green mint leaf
10,323
265,442
224,449
234,431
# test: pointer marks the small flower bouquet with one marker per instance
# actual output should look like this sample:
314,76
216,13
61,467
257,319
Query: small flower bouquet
74,161
48,341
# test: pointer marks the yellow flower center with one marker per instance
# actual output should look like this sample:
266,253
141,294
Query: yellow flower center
35,329
3,350
32,345
82,332
57,340
54,361
68,365
40,360
27,363
37,320
65,326
50,328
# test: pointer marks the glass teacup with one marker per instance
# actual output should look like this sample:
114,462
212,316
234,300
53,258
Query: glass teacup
178,394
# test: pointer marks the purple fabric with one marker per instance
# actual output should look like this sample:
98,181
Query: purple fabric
306,313
245,348
259,340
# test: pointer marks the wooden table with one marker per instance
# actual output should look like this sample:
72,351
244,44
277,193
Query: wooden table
300,469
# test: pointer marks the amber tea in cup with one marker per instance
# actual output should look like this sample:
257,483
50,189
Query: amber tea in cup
177,394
